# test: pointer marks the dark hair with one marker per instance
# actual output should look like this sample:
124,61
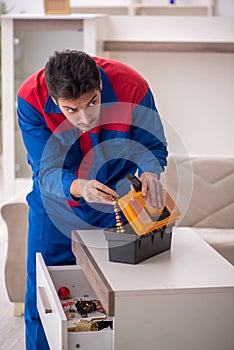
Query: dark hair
70,74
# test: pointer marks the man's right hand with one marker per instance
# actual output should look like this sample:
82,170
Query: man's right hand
92,191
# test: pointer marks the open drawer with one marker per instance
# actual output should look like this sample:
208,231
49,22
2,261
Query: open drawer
54,320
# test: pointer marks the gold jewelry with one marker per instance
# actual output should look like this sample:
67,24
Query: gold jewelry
70,314
84,326
118,220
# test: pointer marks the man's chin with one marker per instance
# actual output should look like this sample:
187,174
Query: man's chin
90,127
87,128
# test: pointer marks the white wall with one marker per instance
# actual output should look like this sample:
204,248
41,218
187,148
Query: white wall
195,93
224,8
30,6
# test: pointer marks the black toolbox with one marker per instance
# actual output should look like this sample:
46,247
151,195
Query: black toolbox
147,230
131,248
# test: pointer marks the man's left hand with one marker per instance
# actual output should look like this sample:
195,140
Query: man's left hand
152,189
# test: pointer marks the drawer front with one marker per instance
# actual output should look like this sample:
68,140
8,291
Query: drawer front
49,280
50,309
101,340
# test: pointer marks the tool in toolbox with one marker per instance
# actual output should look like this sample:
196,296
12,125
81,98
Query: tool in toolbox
143,217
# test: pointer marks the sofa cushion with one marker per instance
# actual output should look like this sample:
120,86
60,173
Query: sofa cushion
203,187
15,216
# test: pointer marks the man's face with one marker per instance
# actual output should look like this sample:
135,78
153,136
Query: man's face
84,112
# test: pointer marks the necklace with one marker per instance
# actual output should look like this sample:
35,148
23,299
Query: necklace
118,220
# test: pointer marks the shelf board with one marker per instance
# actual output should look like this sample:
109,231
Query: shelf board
173,9
168,46
150,5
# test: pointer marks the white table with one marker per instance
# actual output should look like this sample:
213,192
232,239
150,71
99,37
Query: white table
181,299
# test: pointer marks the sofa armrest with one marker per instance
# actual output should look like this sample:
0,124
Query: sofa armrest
15,216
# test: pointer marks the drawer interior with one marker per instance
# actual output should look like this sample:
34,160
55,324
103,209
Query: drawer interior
52,313
75,280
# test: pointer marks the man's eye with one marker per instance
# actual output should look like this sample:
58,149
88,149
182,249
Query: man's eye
91,104
70,110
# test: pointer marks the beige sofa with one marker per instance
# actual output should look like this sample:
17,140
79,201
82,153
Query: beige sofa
15,215
203,187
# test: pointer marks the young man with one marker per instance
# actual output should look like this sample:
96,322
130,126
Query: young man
86,123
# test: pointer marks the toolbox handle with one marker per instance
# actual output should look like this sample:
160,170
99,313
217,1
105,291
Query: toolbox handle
134,182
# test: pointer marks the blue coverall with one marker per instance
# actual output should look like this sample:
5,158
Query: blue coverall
130,137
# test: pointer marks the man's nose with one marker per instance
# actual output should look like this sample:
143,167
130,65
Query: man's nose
83,118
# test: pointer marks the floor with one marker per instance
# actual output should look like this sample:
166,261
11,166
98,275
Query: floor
11,327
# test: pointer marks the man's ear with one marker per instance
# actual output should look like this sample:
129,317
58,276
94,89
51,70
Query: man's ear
100,86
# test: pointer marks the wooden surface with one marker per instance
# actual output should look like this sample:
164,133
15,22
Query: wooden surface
93,274
47,24
167,46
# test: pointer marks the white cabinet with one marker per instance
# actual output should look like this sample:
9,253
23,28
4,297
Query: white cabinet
49,280
180,299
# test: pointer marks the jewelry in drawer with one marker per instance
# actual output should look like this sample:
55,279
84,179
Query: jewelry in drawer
71,315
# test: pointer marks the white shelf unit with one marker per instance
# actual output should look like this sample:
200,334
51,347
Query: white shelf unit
178,8
144,7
